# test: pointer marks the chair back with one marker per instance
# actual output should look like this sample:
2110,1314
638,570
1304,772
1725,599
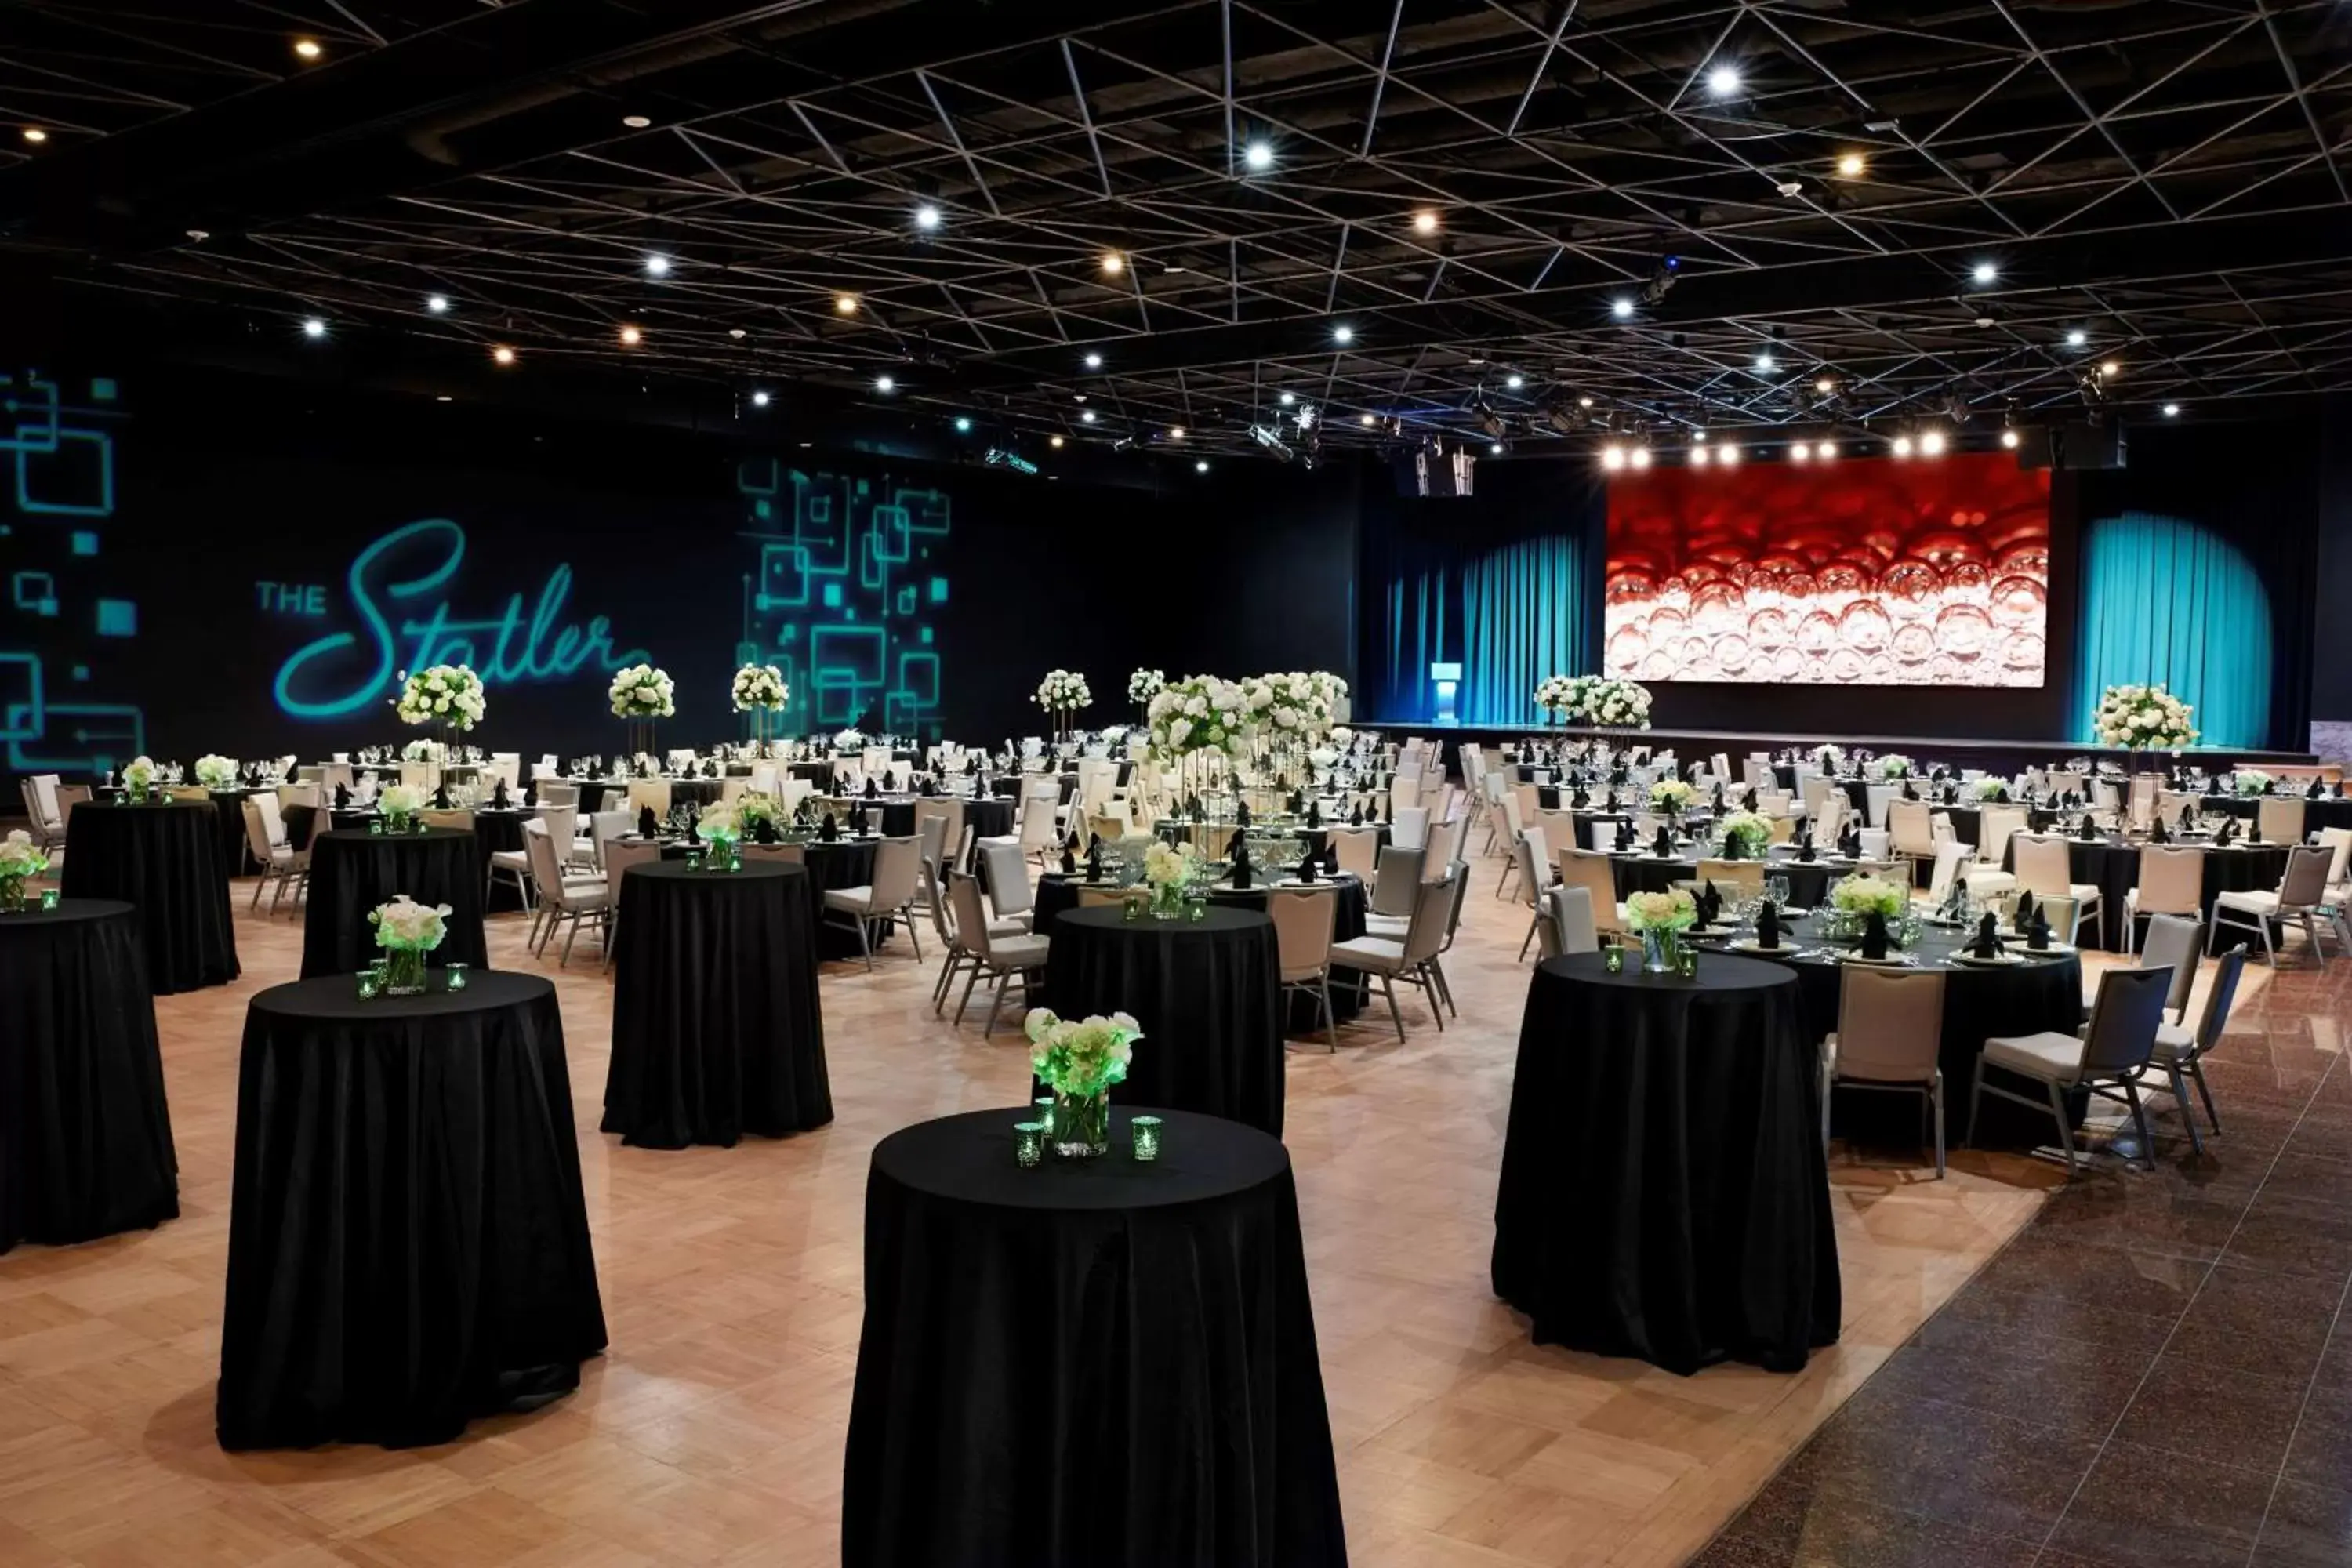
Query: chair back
2337,842
1890,1024
654,793
2281,818
1008,877
1995,824
256,832
417,775
2124,1020
186,792
1434,901
781,854
1570,924
971,917
562,793
1591,870
1733,878
1358,849
1879,796
460,819
1908,827
897,862
2172,943
1038,827
2045,865
297,794
1399,873
2171,879
619,858
2305,882
546,864
931,829
271,822
1949,859
2219,1000
604,826
71,796
1303,922
1409,830
1558,825
1534,869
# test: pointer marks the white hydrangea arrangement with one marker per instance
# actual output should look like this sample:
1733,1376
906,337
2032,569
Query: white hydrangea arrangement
1870,896
718,825
1829,759
1329,689
405,925
2143,719
2250,781
399,802
423,751
1166,866
1291,705
1563,697
848,740
1745,834
1081,1058
1062,691
20,859
1145,684
1670,795
1341,736
1990,788
139,775
1669,912
754,807
1198,713
642,691
759,686
217,771
447,694
1892,765
1618,705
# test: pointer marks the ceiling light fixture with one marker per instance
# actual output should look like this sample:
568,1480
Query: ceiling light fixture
1621,307
307,49
1801,452
963,424
657,266
2110,369
2172,411
1200,467
313,327
759,400
1931,445
1698,456
1638,458
735,333
883,383
437,303
1093,361
1343,333
1984,272
1113,263
1055,442
637,121
1727,455
631,337
502,356
1257,155
1495,449
2077,338
36,135
1765,364
1825,450
1287,398
1826,385
926,218
1515,381
1612,456
1087,417
845,304
1723,82
2009,439
1367,420
1425,222
1850,165
1175,432
1584,403
1902,446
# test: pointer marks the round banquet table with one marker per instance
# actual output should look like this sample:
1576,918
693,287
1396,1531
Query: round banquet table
1809,880
408,1240
1207,994
988,818
2113,867
351,872
166,861
1090,1364
715,1027
85,1132
594,793
2327,811
1663,1194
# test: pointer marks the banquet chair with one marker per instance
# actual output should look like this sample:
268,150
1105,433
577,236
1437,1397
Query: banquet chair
932,835
298,795
462,820
604,826
1734,880
1952,865
68,798
2171,882
890,895
2173,943
2179,1051
2109,1055
1535,880
1010,892
1358,849
280,864
1890,1032
563,897
1558,824
654,793
1409,828
2142,803
1040,831
417,775
197,793
2045,866
774,854
1393,897
2335,907
1592,870
992,957
1880,796
617,862
1514,820
943,923
41,793
1996,826
1411,960
1303,922
2279,816
515,863
1911,833
1458,875
2298,898
1878,846
1567,922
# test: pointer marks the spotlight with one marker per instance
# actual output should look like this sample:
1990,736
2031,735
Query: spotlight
631,337
1343,333
1826,450
1698,456
502,356
1850,165
1515,381
1200,467
636,121
1271,440
759,400
1902,446
437,303
1257,155
1175,432
1306,416
1425,222
1612,456
313,327
307,49
963,424
1287,398
883,383
998,458
1496,449
845,304
2009,439
1698,438
2077,338
36,135
1638,458
1728,457
1663,273
1621,307
1367,420
1113,263
1093,361
1801,452
1765,364
1584,403
1055,442
926,218
1931,445
1488,421
1723,82
1086,416
736,333
2172,411
2110,369
657,266
1826,385
1984,272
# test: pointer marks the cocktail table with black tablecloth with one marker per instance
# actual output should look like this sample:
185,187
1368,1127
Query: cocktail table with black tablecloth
1206,992
165,860
1077,1365
85,1132
408,1241
716,1030
353,872
1664,1192
2113,867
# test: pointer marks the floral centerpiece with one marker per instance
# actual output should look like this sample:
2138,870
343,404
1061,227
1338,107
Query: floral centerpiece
1061,694
1341,736
2143,719
21,859
1990,788
1293,705
423,751
1198,713
139,779
1617,705
1745,835
448,695
641,694
1563,697
1168,871
1864,907
217,771
720,827
1079,1062
1660,920
1330,692
400,803
753,807
848,741
759,690
407,931
2250,781
1671,795
1143,686
1892,765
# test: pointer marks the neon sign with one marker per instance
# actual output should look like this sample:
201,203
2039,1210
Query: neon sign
407,624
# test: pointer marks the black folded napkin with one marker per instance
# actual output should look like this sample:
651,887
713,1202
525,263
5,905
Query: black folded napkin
1719,807
1094,860
530,794
1355,815
2022,918
2000,796
1805,851
2213,785
2254,827
498,796
2037,935
1709,902
1663,846
1624,836
1315,814
1937,773
710,768
1768,925
1748,801
1849,842
648,825
2228,831
1988,940
1298,803
1069,857
828,830
1910,791
1330,859
1241,813
342,797
1192,809
2270,787
1609,801
2157,832
1829,763
1241,865
763,830
873,789
1874,935
1580,800
1619,775
2089,831
2338,788
1309,865
2313,792
928,787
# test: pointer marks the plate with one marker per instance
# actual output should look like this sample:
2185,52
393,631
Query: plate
1971,961
1876,962
1750,944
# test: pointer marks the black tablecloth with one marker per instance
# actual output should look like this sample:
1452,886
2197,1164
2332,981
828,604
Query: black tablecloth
166,861
408,1242
1664,1193
85,1134
1809,880
353,872
2326,811
1205,993
2113,867
845,863
716,1025
594,793
1097,1365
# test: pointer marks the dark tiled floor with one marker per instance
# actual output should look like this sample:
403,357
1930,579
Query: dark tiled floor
2156,1374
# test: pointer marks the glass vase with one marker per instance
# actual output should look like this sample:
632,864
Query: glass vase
1167,900
1081,1125
1660,952
403,971
12,895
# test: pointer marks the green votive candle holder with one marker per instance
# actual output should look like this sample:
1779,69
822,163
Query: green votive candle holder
1132,909
456,974
369,984
1147,1136
1612,959
1028,1143
1686,962
1045,1112
375,826
48,898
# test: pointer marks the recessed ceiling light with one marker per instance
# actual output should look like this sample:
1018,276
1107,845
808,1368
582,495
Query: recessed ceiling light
307,49
2172,410
1055,442
1287,398
437,303
313,327
1201,467
1113,263
1825,448
1984,272
636,121
845,304
2008,438
631,337
1766,363
1698,456
1639,457
502,356
1612,456
1367,419
1425,222
1584,403
1727,455
1902,446
963,424
36,135
759,400
1801,452
443,397
1343,334
658,266
1258,155
1850,165
1515,381
1723,82
2077,338
735,333
1175,432
884,383
926,218
1093,361
1621,307
1087,417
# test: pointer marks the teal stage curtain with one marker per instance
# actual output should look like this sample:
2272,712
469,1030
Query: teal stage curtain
1510,614
2166,600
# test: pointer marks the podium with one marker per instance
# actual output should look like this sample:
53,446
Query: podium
1448,677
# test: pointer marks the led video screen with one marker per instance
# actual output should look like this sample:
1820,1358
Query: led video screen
1850,572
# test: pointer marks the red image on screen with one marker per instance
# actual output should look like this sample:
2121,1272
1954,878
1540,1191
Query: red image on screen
1872,573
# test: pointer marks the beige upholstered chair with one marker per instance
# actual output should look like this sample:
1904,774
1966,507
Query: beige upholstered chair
2172,943
1734,880
1890,1030
2301,892
990,957
1394,894
1593,871
1535,880
563,899
774,854
459,820
1303,922
2171,882
1359,850
1411,959
2108,1057
2279,816
281,866
654,793
1567,922
2178,1051
898,865
2045,868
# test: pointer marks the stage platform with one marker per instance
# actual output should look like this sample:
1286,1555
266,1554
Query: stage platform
1959,751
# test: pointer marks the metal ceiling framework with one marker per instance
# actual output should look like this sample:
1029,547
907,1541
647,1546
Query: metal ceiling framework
2158,185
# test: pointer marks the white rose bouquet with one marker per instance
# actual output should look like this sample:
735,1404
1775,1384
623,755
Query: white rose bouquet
1330,689
1669,912
2143,719
2250,781
447,694
1989,788
1341,736
1062,691
753,806
399,803
422,751
849,740
1670,795
1618,705
640,691
407,931
760,687
139,776
1083,1058
1144,685
1892,765
1165,865
1829,759
1200,713
1563,697
1745,834
217,771
20,859
1861,896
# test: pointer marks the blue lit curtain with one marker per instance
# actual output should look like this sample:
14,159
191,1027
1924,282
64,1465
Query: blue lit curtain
2168,600
1510,612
